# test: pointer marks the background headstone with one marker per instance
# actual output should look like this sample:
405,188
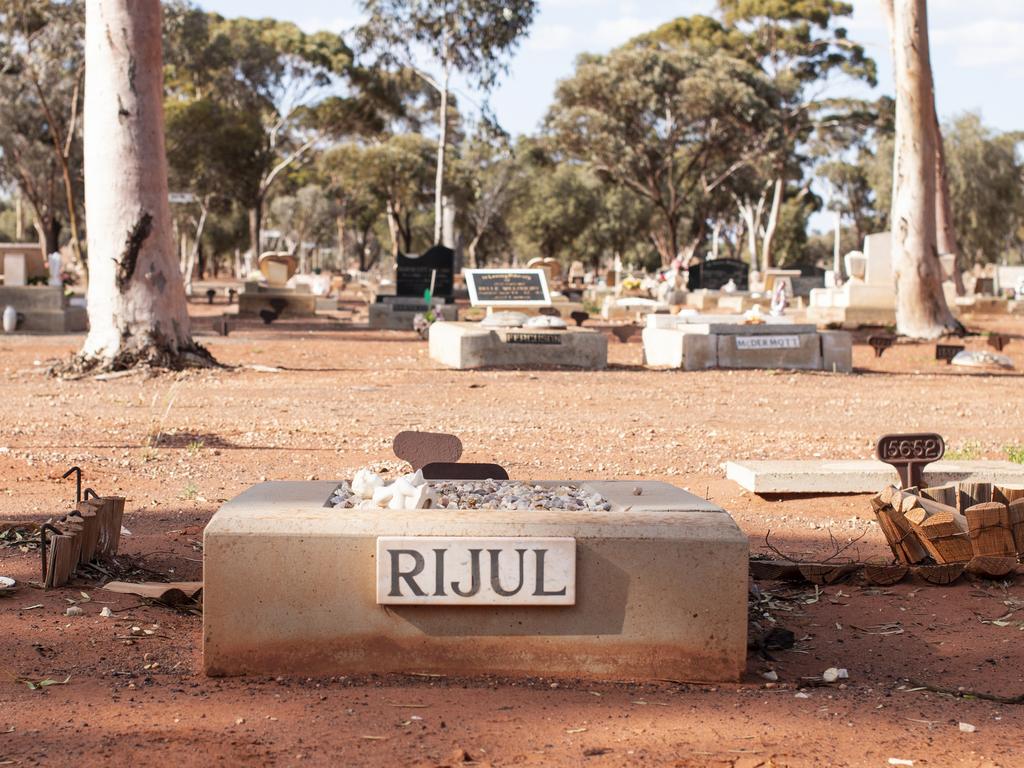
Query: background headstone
413,273
15,270
713,275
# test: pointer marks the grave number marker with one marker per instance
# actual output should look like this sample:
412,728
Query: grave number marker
998,340
947,352
881,342
910,453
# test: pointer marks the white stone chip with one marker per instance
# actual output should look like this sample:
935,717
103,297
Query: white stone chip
414,492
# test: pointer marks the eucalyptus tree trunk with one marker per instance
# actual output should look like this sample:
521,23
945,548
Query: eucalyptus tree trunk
946,231
771,227
442,147
138,313
921,310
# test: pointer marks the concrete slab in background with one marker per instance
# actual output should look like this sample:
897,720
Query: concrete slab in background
859,475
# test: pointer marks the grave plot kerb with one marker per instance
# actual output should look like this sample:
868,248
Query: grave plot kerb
661,583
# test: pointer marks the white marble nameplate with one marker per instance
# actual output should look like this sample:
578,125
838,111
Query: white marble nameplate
454,570
767,342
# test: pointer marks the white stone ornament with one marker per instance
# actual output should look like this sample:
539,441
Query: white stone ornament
53,262
505,320
545,321
382,495
365,483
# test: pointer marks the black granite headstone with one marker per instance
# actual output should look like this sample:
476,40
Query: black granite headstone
714,274
414,272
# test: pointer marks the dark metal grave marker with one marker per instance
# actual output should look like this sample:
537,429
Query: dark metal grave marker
623,332
881,342
998,340
910,453
947,351
580,317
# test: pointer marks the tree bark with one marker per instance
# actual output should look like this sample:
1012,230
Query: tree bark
193,253
921,310
471,250
62,148
442,145
137,309
946,231
255,229
947,242
773,224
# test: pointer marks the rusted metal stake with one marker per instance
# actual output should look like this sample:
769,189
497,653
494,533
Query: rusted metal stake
77,472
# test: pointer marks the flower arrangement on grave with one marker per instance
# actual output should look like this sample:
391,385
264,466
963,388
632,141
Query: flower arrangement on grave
631,283
423,320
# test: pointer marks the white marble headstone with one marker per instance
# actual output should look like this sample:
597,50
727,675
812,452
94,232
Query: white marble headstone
878,254
15,269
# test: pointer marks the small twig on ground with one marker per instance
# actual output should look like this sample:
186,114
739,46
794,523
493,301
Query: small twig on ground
845,547
774,549
963,693
835,546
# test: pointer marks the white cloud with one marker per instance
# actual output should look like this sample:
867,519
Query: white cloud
983,43
1010,9
614,32
550,37
333,24
867,15
574,4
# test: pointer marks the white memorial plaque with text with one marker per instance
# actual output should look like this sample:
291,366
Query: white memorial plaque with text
508,287
454,570
767,342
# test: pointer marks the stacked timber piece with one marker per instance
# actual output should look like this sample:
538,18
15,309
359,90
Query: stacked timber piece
91,532
942,531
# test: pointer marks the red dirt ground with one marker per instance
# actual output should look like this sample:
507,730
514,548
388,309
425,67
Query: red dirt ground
177,445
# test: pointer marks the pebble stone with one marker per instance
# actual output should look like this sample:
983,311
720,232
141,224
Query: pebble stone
493,494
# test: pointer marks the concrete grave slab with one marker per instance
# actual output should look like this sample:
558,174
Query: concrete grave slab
859,475
45,309
660,589
397,313
471,345
693,345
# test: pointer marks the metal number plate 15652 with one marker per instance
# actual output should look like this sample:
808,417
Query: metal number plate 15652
909,453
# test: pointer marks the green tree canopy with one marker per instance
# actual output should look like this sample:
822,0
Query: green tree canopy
669,124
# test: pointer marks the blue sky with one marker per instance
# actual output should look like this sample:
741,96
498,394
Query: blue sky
977,50
977,47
